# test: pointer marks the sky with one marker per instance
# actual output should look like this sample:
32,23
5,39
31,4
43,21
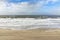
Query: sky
29,7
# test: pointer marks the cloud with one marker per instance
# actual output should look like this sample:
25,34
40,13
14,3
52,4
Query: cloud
54,11
25,8
11,8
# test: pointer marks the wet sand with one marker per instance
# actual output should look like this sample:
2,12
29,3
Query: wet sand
36,34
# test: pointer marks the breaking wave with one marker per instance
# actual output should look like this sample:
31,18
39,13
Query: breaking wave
29,23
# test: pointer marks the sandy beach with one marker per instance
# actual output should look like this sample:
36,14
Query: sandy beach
29,29
36,34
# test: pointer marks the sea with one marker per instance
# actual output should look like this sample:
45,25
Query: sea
29,22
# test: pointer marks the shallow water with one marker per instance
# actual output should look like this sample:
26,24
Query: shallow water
28,23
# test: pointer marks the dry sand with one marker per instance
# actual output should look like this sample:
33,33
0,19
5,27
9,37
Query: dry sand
36,34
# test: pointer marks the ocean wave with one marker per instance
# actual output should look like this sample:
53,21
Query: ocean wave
28,23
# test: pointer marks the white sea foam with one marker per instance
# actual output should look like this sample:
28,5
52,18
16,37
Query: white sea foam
28,23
